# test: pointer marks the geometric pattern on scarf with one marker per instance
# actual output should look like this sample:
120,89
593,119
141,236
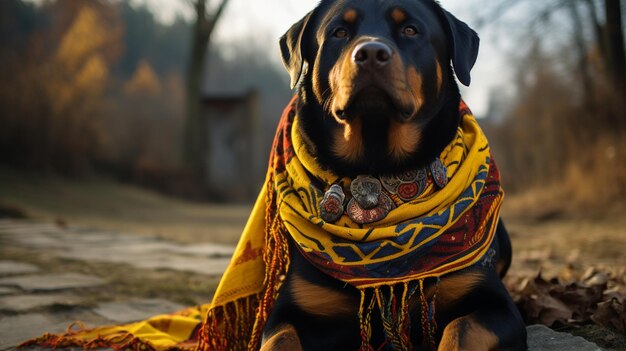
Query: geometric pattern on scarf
447,241
441,231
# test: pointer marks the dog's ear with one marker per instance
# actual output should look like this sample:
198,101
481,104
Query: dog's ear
292,48
464,47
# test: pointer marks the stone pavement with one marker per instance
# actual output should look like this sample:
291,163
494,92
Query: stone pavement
35,299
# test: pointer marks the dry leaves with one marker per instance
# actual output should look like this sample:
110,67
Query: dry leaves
573,299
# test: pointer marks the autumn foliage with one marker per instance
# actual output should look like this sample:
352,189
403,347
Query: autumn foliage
66,104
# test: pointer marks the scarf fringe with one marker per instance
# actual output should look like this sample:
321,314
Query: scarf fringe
238,326
393,302
119,341
228,327
276,258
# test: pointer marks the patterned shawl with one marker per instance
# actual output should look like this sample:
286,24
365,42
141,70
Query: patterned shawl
441,231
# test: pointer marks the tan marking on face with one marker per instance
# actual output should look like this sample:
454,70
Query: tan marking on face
285,338
348,143
398,15
416,86
319,300
341,80
439,77
465,334
317,90
350,16
403,139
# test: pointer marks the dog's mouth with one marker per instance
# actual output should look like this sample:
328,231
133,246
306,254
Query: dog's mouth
376,102
377,124
368,101
381,94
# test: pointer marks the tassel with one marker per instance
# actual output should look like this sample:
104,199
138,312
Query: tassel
427,340
433,313
405,322
228,327
365,314
429,322
276,258
393,322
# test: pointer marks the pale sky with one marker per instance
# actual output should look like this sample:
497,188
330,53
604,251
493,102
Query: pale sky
271,18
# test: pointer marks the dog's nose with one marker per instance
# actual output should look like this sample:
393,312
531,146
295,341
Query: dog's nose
372,54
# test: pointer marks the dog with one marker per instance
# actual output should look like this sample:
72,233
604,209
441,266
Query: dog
377,95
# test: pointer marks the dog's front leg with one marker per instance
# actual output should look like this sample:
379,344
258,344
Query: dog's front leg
484,331
284,338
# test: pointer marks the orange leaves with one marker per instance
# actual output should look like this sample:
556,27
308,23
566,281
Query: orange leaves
143,82
85,37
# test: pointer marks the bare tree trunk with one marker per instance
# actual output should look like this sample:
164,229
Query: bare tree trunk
597,27
583,62
616,54
196,137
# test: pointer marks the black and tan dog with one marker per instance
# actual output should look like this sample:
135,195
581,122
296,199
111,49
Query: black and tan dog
377,95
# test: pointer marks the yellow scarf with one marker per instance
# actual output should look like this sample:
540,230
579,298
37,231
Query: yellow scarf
441,231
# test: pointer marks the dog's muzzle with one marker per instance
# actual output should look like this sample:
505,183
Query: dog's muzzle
372,55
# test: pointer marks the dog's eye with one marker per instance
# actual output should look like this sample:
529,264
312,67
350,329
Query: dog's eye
340,33
409,31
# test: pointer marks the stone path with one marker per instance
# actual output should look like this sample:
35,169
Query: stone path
34,300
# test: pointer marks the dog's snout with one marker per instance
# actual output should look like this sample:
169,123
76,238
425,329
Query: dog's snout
372,54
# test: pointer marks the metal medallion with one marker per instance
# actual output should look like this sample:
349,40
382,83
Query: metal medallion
422,175
331,206
439,173
366,190
390,183
422,181
408,191
409,176
365,216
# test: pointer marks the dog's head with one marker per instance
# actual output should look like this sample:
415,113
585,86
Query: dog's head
376,81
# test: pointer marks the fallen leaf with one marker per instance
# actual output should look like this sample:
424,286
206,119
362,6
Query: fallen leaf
611,314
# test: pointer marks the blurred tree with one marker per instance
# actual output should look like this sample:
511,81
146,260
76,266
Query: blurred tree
607,32
615,55
564,129
194,135
144,81
50,109
82,61
101,85
144,121
164,46
140,30
18,20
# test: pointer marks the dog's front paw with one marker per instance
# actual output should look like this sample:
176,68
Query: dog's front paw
466,334
285,338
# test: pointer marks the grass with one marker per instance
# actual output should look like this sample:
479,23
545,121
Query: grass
103,203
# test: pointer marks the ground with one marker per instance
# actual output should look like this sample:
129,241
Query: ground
545,239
